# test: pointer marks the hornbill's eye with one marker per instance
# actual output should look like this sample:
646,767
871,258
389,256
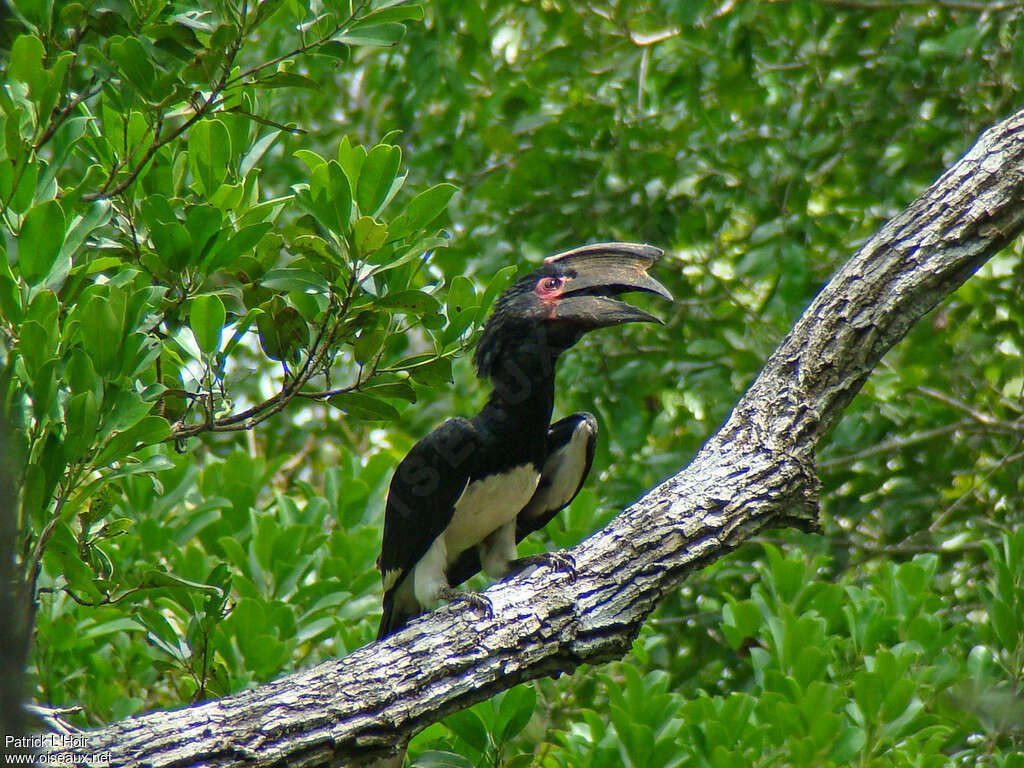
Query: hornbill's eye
549,285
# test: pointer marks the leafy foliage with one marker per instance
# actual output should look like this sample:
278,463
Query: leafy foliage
245,247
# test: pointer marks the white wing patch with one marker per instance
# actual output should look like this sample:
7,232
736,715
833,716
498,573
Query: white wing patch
487,504
562,472
428,578
484,506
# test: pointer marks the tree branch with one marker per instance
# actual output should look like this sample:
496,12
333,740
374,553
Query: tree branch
757,472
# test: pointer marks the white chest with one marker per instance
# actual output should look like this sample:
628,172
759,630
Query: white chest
486,505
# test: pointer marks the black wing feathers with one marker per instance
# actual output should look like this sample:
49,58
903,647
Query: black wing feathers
423,492
563,474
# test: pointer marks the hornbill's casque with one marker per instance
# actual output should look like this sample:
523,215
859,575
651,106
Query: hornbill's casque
471,489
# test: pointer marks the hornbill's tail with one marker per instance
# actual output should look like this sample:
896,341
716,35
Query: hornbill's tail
393,617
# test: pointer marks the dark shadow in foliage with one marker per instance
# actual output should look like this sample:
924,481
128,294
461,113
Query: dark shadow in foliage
13,642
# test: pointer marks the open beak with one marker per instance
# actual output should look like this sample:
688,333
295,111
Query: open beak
601,271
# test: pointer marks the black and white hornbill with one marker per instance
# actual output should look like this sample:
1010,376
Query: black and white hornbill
469,491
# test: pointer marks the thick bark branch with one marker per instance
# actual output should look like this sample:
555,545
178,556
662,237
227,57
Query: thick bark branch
756,472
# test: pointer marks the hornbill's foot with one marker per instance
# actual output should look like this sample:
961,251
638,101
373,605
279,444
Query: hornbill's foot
475,599
556,561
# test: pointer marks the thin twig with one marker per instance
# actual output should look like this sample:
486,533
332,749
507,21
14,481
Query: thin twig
898,443
200,111
62,114
300,49
260,412
974,413
960,500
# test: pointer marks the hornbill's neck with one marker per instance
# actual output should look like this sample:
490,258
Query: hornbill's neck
523,376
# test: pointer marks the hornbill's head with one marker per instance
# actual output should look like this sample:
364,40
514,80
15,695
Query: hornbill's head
572,293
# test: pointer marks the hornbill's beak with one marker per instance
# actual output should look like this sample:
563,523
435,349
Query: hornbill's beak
603,270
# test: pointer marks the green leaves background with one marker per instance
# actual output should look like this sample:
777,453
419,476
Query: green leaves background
246,248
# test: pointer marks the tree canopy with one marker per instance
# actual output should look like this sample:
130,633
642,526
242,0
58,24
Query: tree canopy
247,247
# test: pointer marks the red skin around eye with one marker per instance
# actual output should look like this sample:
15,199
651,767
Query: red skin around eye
548,288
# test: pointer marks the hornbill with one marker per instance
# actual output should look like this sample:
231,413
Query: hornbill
471,489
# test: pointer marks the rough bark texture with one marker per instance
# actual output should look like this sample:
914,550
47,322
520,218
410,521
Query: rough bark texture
756,472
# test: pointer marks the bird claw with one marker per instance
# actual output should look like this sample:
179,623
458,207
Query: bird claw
556,561
475,599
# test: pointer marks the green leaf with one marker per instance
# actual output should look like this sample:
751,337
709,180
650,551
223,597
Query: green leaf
501,280
80,374
40,240
159,629
127,410
133,61
369,236
101,334
376,177
157,578
44,310
435,758
209,151
410,301
311,159
399,389
241,328
468,726
82,417
18,183
394,12
285,79
375,35
461,295
116,527
35,346
869,692
204,224
170,239
293,279
434,373
10,295
82,226
423,210
351,158
115,626
26,63
1006,624
44,385
363,406
239,244
514,711
328,196
416,251
207,318
152,464
851,741
148,431
79,577
368,344
282,331
740,620
251,158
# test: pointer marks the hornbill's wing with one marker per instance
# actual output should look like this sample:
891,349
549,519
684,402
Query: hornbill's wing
421,501
571,443
570,452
